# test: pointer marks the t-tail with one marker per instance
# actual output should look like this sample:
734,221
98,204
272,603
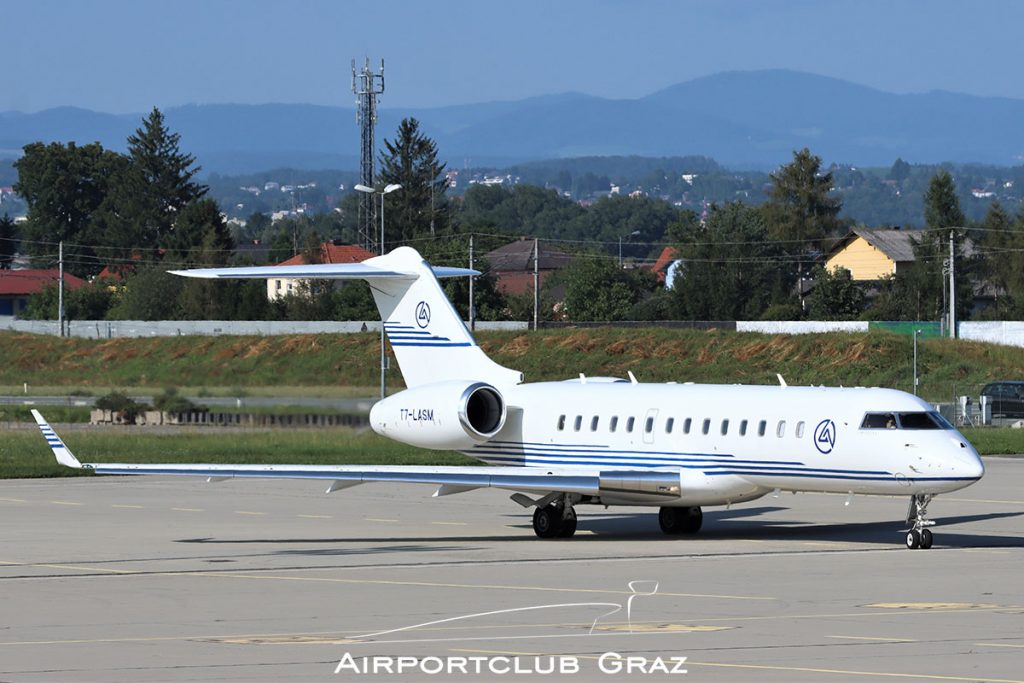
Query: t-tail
429,339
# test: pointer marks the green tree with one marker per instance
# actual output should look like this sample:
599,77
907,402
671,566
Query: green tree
597,289
411,161
91,302
161,180
64,186
800,206
899,171
731,270
924,284
941,204
8,241
151,293
199,236
1003,243
836,296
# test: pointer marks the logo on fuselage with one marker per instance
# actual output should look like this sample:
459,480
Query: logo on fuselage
423,314
825,436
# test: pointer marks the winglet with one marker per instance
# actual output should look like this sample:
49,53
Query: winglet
64,455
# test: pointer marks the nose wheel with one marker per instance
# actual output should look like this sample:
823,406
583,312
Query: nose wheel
919,535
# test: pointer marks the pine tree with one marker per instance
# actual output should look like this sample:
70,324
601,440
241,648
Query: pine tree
925,283
159,183
411,161
800,206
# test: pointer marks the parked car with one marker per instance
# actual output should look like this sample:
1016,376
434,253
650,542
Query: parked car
1007,398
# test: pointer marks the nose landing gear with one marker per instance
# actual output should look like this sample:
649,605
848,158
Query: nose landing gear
919,535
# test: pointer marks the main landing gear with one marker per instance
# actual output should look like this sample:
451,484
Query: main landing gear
679,521
919,535
555,520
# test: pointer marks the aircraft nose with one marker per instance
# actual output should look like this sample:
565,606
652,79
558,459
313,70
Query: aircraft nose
969,464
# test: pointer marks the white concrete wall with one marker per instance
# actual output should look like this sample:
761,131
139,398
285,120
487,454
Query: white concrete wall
103,329
800,326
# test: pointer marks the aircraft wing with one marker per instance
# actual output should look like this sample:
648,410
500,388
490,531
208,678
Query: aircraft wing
450,479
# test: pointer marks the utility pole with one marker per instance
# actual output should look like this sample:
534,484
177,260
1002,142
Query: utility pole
916,332
60,287
536,283
366,85
952,290
472,306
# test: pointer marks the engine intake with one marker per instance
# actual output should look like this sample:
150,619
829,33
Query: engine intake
445,415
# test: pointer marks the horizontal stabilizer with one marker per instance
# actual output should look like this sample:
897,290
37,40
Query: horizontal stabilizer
318,271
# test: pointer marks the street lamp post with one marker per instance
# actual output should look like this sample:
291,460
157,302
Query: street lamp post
383,357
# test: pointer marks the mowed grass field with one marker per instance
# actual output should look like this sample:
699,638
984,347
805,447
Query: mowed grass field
24,452
336,364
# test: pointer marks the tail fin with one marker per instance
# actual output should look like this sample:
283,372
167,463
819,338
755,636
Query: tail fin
431,342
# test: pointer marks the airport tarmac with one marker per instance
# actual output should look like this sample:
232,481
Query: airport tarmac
174,579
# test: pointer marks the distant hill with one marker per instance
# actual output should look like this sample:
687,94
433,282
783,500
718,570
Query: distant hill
748,119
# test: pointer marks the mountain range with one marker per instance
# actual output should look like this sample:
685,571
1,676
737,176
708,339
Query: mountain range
743,119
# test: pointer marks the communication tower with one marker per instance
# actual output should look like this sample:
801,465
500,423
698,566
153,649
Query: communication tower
366,85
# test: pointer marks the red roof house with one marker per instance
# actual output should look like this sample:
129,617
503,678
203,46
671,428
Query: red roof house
16,286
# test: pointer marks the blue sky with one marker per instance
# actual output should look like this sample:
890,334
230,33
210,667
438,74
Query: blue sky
129,55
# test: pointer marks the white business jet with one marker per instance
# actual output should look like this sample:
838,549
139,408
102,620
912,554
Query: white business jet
609,441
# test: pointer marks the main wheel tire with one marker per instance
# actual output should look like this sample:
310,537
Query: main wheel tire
568,522
670,520
926,539
692,520
547,521
913,539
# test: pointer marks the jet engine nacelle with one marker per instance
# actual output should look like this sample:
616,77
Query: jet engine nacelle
446,415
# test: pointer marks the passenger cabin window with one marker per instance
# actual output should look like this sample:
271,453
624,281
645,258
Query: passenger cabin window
799,430
725,427
687,423
629,424
743,427
879,421
707,426
593,423
762,426
561,422
614,424
649,425
577,423
780,431
669,423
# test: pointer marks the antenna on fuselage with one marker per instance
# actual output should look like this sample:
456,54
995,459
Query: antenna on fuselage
782,382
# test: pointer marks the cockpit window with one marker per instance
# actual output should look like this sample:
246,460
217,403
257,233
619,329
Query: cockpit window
919,421
879,421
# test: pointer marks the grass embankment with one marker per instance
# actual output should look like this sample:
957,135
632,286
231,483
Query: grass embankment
323,364
24,453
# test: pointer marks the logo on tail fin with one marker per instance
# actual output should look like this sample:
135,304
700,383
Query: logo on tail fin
423,314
